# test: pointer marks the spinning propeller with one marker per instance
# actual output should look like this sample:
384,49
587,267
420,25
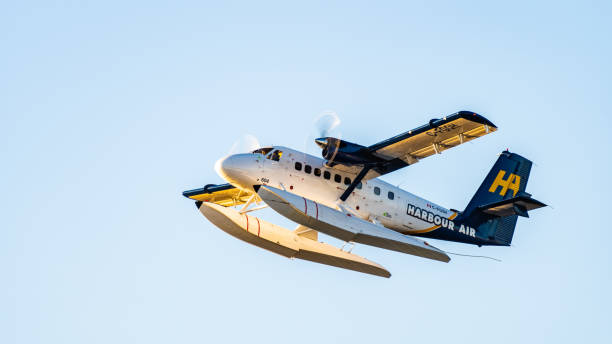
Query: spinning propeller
324,133
325,125
245,144
326,122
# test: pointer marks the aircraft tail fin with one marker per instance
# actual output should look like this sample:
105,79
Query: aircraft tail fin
501,199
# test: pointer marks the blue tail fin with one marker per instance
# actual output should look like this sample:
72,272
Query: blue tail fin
507,179
490,216
500,200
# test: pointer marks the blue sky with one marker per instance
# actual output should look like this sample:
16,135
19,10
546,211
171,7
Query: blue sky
109,110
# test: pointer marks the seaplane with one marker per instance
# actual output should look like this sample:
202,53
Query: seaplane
341,195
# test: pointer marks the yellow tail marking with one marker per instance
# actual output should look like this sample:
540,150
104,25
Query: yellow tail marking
513,182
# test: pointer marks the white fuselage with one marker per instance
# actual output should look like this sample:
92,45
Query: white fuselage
375,201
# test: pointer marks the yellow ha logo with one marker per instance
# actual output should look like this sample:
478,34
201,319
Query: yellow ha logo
513,182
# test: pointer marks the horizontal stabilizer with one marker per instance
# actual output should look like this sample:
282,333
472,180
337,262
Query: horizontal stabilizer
286,242
345,226
518,205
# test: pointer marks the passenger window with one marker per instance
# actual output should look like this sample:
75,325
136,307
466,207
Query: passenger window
276,155
390,195
326,174
337,178
307,169
347,181
376,190
317,172
298,166
359,186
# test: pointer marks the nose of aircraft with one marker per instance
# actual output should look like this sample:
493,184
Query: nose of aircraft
225,166
235,169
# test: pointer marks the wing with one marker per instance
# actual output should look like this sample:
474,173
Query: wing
226,195
433,138
345,226
404,149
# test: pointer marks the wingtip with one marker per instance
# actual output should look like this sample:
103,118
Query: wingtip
481,118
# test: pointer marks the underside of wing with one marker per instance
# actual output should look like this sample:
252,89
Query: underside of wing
404,149
225,195
433,138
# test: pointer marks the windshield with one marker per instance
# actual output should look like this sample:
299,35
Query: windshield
263,151
276,155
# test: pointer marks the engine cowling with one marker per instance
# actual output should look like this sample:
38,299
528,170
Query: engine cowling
336,150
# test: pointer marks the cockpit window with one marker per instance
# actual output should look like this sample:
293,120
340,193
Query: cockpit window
276,155
262,151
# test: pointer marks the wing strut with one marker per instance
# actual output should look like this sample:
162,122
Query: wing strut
355,182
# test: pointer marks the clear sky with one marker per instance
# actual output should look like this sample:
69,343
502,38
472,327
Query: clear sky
109,110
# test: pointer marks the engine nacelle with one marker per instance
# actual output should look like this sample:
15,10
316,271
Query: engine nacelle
336,150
